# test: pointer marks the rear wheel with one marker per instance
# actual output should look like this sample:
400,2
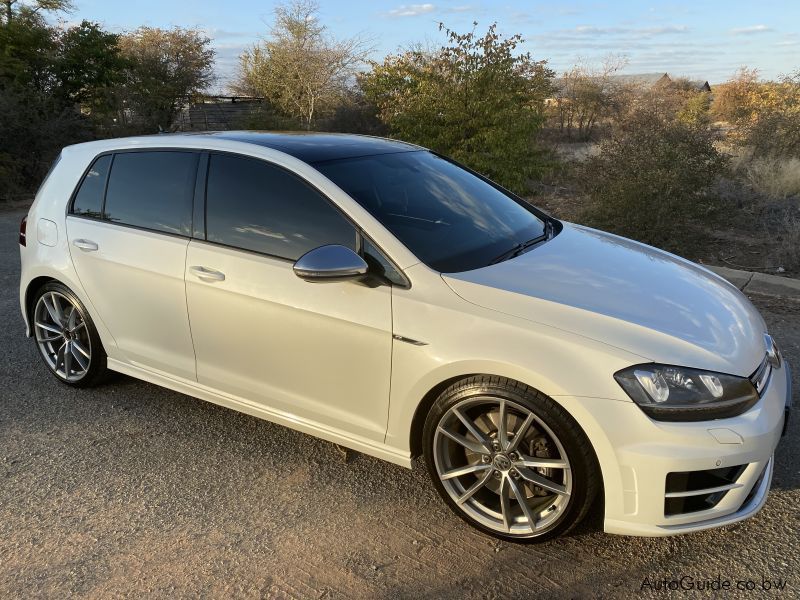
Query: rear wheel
66,336
509,460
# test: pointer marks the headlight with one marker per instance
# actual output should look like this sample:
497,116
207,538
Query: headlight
668,393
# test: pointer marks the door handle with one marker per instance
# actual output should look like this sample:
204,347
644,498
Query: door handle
207,274
85,245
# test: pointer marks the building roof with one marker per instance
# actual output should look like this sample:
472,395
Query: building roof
313,147
649,80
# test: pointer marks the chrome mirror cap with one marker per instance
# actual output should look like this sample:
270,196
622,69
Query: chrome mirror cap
330,263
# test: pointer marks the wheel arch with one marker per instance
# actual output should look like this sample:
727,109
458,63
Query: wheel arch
31,289
424,405
42,277
598,442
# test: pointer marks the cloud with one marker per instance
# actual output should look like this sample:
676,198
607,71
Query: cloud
751,29
638,31
411,10
227,34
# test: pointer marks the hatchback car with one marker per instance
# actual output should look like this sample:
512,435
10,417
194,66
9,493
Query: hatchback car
382,297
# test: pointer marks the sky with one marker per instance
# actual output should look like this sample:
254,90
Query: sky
702,39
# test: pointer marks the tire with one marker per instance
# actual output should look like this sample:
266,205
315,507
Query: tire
471,461
66,337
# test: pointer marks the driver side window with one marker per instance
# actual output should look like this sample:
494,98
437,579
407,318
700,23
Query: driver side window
257,206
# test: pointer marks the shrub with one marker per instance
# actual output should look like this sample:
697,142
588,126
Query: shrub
773,176
652,177
477,99
775,133
33,129
764,115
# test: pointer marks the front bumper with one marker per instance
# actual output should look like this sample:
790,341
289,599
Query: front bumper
645,452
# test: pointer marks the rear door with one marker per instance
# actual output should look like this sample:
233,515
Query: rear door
128,231
318,352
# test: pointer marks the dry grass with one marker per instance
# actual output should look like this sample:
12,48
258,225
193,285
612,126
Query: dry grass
773,177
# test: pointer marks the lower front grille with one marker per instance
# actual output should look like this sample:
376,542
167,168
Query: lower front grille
694,491
751,494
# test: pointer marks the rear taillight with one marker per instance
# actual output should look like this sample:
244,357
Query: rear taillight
22,228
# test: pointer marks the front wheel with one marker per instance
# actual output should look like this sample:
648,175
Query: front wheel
509,460
66,336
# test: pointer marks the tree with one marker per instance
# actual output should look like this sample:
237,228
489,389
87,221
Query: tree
28,48
33,129
584,96
736,100
12,8
696,109
476,99
301,69
88,66
168,69
34,125
765,115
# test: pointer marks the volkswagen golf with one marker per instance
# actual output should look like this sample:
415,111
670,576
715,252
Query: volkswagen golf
385,298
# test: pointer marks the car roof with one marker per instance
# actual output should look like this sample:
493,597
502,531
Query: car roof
314,147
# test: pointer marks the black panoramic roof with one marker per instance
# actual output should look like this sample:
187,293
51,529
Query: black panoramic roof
313,147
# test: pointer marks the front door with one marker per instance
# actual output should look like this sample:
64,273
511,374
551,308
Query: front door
318,352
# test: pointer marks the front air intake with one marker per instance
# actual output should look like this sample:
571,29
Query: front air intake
693,491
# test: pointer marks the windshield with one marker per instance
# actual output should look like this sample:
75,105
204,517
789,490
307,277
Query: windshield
449,218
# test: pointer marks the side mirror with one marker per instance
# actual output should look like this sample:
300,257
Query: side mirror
330,263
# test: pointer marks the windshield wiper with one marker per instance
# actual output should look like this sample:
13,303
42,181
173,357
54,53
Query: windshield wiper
521,247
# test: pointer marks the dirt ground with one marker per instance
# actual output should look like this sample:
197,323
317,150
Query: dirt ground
130,490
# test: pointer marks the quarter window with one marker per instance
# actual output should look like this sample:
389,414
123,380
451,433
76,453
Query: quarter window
379,264
89,199
152,190
253,205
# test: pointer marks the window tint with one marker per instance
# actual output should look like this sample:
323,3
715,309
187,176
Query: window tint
449,218
153,190
256,206
89,199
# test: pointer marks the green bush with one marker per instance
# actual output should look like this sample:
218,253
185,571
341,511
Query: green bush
477,99
652,178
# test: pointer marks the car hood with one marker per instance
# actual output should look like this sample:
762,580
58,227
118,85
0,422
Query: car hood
626,294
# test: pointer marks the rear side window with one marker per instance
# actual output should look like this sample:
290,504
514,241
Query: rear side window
253,205
89,199
152,190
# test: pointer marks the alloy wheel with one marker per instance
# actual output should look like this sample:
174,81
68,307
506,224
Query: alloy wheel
62,336
503,466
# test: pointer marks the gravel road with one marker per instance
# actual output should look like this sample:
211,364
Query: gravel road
134,490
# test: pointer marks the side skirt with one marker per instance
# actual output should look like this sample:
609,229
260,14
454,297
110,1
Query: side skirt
202,392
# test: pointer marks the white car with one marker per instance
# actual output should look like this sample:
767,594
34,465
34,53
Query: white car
382,297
